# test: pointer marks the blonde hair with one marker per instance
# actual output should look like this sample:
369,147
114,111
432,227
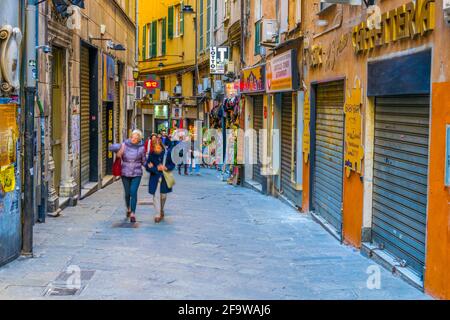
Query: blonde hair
138,132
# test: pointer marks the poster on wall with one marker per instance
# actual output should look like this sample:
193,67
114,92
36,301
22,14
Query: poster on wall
354,151
76,134
253,79
108,78
8,134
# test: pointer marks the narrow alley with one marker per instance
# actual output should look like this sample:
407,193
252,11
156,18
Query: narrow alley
217,242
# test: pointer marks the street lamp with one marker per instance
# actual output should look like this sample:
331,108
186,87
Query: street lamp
189,10
136,74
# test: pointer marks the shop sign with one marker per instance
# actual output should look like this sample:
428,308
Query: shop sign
252,79
151,84
232,89
306,127
108,78
218,59
190,112
281,72
354,151
412,20
161,111
177,112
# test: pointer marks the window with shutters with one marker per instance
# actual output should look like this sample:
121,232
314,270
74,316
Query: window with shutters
227,10
144,43
215,14
258,37
154,33
163,36
181,23
170,25
208,23
202,16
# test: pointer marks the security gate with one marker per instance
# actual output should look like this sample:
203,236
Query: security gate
257,126
85,112
400,177
329,146
286,149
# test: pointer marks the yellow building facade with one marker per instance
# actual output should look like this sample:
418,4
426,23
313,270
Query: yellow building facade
166,65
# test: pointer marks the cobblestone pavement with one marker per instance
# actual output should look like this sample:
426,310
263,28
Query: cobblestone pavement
218,242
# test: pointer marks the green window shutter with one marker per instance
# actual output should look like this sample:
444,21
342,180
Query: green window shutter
170,24
154,38
257,38
215,14
164,31
182,19
144,43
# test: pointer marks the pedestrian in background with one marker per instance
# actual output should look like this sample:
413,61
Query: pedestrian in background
160,165
132,154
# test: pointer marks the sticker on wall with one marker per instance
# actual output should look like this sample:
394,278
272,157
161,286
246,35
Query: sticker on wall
7,178
8,134
306,127
354,151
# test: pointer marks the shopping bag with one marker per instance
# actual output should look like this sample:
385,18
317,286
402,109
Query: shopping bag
117,167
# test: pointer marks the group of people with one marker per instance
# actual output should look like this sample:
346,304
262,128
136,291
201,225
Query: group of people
155,157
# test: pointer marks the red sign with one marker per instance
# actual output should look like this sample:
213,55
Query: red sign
151,84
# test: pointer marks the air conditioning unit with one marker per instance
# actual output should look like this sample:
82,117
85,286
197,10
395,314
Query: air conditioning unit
139,93
164,95
446,9
269,31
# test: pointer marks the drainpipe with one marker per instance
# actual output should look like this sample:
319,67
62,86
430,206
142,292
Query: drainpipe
30,94
136,58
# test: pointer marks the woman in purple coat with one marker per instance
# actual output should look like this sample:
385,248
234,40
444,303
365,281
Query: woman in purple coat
132,153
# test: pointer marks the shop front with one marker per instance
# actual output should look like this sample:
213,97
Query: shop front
253,89
161,114
282,82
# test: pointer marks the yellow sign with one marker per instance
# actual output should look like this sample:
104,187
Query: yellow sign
306,127
7,178
8,134
407,21
354,151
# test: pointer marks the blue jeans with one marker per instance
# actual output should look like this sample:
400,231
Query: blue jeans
131,186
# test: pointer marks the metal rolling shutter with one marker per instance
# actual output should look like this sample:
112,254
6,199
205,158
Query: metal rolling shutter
85,144
257,126
286,148
400,177
329,147
104,137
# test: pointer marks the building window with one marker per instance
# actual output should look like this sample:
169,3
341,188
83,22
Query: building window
163,36
298,11
215,14
154,37
258,37
181,23
144,43
163,84
170,22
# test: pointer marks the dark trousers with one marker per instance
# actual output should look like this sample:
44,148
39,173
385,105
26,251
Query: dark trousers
185,168
131,186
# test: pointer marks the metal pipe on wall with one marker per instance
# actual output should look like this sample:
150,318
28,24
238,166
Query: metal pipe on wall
30,94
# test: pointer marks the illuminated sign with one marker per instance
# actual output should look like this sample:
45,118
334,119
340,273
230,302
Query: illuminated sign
151,84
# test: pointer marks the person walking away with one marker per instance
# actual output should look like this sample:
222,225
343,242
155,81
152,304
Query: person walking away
132,153
158,162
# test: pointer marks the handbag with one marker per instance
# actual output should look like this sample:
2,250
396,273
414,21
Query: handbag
168,176
117,166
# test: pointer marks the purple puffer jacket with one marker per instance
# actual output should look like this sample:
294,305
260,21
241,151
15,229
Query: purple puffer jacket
133,158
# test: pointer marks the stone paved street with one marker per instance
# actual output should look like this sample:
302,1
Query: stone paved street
218,242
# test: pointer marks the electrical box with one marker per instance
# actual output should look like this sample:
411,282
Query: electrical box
164,95
139,93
